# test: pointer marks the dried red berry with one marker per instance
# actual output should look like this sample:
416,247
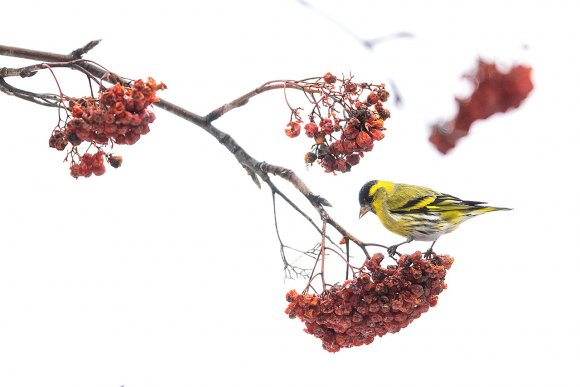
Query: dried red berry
377,134
85,170
310,129
327,126
132,137
350,132
328,163
363,140
329,78
353,159
99,169
292,129
75,171
349,146
350,87
383,95
372,98
383,113
341,165
319,138
310,157
77,111
337,148
115,161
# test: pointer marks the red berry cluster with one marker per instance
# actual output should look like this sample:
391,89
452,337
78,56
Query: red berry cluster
494,92
119,116
94,164
374,303
354,119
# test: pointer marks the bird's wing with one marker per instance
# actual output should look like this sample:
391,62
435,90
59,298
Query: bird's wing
424,200
445,202
410,199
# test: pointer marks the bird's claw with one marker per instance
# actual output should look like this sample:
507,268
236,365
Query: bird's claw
428,253
392,250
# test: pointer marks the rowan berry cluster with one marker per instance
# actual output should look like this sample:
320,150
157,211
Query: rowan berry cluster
94,164
119,116
346,120
376,302
494,92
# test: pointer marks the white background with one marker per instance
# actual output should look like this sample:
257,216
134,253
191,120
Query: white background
166,272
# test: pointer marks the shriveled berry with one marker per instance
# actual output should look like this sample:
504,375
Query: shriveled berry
115,161
292,129
132,137
329,163
337,148
327,126
341,165
353,159
383,95
329,78
310,157
383,113
350,87
99,169
363,140
85,170
349,146
372,98
377,134
320,138
75,171
350,132
310,129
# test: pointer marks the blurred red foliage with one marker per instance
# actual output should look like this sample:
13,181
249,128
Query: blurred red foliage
376,302
494,92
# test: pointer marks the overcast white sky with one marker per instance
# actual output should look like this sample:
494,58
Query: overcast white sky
166,272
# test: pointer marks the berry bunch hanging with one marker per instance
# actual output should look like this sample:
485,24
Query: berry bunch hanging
346,120
376,302
120,115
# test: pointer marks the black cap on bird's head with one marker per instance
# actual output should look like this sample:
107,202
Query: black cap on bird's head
365,199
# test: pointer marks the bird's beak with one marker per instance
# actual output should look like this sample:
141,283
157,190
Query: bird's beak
363,211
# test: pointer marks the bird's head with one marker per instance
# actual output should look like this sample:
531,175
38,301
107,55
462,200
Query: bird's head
365,198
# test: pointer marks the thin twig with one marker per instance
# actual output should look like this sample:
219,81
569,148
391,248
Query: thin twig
288,267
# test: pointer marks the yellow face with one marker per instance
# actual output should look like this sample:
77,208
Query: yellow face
365,198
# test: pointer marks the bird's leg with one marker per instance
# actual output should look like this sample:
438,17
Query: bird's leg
392,250
429,250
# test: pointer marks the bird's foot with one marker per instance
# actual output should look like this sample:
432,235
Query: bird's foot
392,250
428,253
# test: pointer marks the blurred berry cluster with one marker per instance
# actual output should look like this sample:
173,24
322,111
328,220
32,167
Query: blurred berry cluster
495,92
119,116
377,301
346,120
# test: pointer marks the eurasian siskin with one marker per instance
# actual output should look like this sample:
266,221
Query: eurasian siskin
415,212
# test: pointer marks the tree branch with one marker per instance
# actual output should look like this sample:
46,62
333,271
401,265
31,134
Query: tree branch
255,168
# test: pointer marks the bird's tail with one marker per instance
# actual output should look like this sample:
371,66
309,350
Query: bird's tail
484,209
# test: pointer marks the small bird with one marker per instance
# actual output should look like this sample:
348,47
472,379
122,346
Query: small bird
417,213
